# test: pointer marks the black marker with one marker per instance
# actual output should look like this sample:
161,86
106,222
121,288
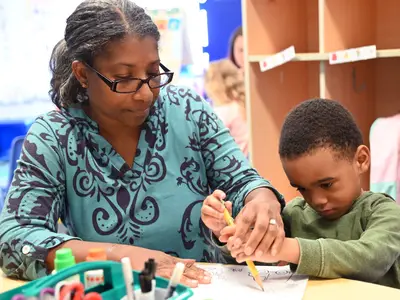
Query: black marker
152,267
146,286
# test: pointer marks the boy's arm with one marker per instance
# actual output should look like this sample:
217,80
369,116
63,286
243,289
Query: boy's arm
367,258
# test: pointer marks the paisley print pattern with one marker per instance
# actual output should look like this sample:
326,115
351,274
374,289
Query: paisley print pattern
68,170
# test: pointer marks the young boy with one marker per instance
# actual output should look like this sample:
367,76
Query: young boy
336,229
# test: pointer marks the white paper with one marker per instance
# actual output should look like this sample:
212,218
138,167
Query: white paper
236,282
353,54
277,59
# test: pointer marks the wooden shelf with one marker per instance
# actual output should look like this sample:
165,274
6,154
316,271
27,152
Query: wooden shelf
273,94
298,57
281,24
369,89
325,56
388,53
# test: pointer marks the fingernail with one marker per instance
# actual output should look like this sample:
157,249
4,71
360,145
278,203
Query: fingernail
259,253
207,278
273,252
194,281
237,243
248,250
207,274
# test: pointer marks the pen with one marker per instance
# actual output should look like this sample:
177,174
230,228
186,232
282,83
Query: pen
254,272
128,277
175,279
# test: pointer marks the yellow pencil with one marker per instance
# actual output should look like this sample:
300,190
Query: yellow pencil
250,264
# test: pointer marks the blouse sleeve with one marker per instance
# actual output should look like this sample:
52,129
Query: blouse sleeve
227,167
33,206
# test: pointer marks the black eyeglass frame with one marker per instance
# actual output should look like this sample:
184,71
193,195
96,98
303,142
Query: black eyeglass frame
112,84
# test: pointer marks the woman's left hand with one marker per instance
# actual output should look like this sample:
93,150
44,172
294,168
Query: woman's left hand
259,225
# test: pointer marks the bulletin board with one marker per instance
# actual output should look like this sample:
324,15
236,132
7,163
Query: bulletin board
174,43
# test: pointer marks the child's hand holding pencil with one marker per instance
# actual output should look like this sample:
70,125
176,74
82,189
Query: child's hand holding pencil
216,215
212,212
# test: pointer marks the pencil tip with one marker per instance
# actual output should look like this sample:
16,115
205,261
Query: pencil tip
260,284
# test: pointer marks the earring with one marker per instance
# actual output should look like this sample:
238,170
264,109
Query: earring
82,97
84,85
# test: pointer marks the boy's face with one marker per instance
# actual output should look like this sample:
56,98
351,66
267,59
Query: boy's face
329,183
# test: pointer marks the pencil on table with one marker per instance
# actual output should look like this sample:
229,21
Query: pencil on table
253,270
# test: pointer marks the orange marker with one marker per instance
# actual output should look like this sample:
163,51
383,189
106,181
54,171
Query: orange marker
95,277
250,264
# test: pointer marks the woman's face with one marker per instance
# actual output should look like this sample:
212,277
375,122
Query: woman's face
127,58
238,53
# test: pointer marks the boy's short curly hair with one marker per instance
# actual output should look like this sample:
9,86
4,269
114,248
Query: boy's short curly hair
319,123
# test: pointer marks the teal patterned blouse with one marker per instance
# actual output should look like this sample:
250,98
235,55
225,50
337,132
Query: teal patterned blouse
68,170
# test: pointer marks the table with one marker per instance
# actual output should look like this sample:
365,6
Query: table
331,289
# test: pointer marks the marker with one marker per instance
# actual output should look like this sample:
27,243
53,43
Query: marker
145,280
128,277
95,277
175,279
58,287
47,294
152,267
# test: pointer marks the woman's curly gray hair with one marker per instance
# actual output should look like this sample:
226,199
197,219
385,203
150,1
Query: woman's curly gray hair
90,28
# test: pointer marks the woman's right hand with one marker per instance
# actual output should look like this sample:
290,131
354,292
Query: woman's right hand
192,275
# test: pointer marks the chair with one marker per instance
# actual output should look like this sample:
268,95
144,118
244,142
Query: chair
15,152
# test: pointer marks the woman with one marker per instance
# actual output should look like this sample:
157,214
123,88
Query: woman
127,160
224,85
236,48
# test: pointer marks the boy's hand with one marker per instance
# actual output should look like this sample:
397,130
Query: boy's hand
226,233
290,253
241,256
212,212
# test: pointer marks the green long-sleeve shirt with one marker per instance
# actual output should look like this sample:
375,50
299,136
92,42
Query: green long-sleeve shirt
364,244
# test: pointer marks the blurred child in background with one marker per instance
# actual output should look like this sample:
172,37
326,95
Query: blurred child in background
224,85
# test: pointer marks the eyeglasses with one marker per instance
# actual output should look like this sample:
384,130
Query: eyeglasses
132,85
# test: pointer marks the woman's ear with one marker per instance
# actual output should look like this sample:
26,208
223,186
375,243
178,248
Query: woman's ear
362,159
80,72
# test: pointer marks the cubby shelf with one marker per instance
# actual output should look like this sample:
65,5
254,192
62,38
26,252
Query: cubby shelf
325,56
369,88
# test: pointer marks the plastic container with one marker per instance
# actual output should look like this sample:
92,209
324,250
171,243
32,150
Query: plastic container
64,260
113,288
95,277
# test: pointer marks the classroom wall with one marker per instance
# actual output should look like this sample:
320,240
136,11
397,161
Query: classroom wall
223,17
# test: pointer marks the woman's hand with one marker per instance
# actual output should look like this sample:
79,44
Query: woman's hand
259,226
212,211
192,275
